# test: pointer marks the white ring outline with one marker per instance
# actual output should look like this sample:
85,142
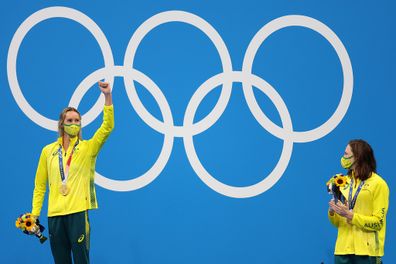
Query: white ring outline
213,35
332,38
189,129
203,174
23,29
159,165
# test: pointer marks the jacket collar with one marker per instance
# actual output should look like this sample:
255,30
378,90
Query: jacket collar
72,140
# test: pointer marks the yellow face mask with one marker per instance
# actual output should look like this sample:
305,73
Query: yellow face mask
72,130
346,163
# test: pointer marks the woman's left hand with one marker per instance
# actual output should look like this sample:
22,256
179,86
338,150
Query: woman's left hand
341,209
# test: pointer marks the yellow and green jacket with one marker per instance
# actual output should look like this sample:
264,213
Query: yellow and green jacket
365,234
82,195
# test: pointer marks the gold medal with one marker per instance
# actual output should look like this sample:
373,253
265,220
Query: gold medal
64,190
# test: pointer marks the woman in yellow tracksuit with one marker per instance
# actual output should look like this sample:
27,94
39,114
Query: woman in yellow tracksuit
68,167
361,221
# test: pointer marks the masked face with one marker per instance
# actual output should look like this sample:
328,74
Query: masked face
71,124
346,163
347,160
72,130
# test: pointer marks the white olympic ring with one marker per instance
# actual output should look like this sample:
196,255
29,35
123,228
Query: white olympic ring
16,41
346,65
189,128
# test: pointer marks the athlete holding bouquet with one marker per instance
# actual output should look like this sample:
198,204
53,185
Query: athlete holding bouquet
68,167
361,220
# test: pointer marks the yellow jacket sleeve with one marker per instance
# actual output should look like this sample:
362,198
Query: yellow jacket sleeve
334,219
104,130
40,184
375,221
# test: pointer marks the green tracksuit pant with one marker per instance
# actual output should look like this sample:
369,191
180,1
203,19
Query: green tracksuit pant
69,235
354,259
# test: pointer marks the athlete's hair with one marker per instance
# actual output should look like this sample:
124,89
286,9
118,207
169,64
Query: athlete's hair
365,162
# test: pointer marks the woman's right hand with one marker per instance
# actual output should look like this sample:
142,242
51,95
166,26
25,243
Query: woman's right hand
341,209
106,90
104,87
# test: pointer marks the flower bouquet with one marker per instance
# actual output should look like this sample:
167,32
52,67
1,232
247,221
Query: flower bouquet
334,186
30,225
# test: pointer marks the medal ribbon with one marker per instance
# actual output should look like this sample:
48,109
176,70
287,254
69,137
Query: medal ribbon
65,173
352,202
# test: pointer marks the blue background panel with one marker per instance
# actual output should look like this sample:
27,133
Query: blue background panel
178,218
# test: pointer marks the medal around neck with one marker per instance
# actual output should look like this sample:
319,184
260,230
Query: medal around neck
64,189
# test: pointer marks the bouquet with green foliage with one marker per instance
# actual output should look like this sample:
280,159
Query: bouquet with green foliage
334,186
30,225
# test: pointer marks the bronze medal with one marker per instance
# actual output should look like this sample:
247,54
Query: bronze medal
64,190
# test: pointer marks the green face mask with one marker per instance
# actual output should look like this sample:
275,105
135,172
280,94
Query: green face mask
346,163
72,130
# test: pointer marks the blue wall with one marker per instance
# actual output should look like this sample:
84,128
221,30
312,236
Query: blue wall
254,192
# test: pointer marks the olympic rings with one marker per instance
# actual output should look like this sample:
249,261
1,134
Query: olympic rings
28,24
189,128
274,176
332,38
178,16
